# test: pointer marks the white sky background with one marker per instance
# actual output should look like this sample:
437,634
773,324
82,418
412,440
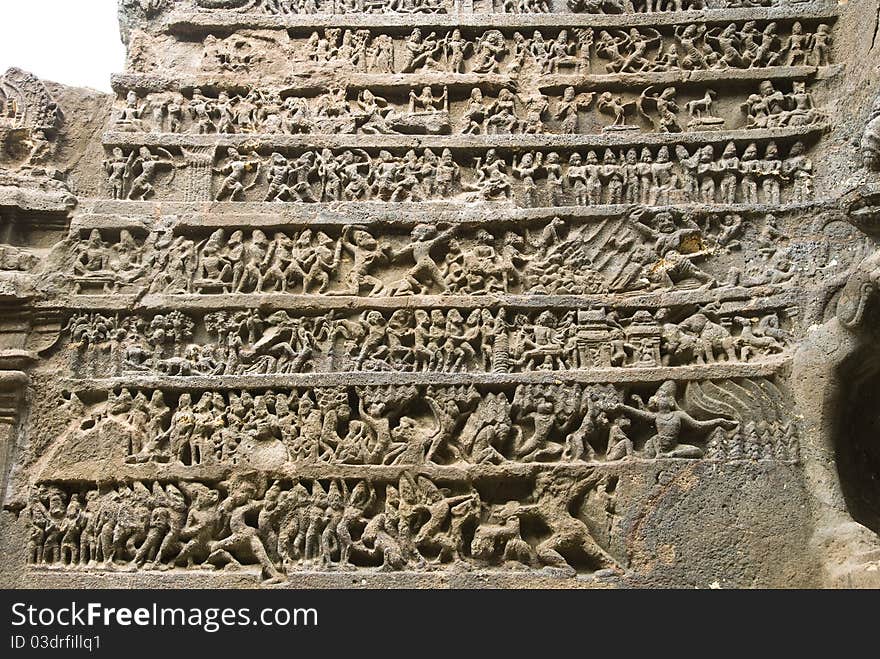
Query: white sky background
75,42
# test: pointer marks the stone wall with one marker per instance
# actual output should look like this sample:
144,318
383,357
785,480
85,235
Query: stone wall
442,294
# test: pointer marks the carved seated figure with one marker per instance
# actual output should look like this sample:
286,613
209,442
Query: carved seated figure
542,350
91,264
130,117
493,182
481,269
427,102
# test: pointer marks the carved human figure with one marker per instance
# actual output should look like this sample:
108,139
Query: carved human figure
820,46
569,107
243,539
118,169
501,115
488,51
149,164
203,523
750,168
527,169
669,421
234,186
620,446
278,173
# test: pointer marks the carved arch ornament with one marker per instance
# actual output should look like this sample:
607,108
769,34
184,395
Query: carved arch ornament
26,104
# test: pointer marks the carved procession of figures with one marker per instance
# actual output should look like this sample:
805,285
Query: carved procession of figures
412,425
725,173
283,527
419,341
437,110
636,251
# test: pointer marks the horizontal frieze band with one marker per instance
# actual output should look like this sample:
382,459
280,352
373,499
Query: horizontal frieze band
174,472
380,82
701,372
739,299
109,214
189,22
460,142
95,576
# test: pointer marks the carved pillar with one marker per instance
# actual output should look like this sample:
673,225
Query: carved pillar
12,387
199,162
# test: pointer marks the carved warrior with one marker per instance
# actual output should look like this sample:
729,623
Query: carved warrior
750,174
30,120
538,424
501,298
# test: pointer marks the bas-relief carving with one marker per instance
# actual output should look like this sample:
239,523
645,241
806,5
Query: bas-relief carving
418,341
576,53
307,525
429,110
29,124
311,7
662,175
626,253
471,299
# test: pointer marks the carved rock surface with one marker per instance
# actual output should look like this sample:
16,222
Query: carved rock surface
446,294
